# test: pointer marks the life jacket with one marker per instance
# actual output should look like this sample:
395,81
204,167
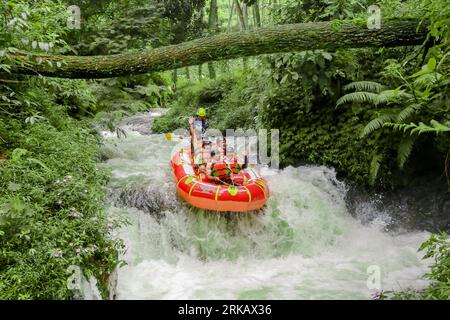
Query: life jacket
224,170
204,123
234,166
220,170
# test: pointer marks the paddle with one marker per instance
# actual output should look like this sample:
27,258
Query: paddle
169,136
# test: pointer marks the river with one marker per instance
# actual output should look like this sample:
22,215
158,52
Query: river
304,245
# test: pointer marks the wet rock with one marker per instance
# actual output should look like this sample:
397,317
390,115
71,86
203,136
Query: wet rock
423,205
142,122
148,197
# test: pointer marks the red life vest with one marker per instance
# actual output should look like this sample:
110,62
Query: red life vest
220,170
223,170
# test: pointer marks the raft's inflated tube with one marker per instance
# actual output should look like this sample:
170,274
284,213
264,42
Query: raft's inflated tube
252,195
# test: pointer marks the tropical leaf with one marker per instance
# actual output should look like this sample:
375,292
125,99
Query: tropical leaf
426,69
18,153
408,112
436,127
377,123
369,86
383,97
427,79
375,168
404,150
400,126
39,163
360,97
393,96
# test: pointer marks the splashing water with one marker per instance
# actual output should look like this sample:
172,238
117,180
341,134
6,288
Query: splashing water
303,245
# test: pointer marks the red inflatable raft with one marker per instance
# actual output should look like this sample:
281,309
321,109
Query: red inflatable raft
201,193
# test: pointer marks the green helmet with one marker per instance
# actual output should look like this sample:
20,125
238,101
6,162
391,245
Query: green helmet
201,112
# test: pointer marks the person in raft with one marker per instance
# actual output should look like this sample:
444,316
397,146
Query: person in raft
213,169
200,119
223,171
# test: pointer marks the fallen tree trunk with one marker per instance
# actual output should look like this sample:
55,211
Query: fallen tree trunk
284,38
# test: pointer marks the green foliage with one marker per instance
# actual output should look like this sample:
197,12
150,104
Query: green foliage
370,86
222,99
438,11
437,248
360,97
49,207
435,127
375,167
294,11
50,188
404,150
33,25
420,96
377,123
117,26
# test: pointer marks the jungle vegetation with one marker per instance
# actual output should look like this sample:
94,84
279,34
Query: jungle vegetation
379,114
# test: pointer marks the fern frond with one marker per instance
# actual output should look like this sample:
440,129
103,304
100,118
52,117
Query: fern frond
375,168
408,112
427,79
387,96
440,127
436,127
400,126
369,86
404,150
377,123
360,97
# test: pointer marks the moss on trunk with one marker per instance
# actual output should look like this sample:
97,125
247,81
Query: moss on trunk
283,38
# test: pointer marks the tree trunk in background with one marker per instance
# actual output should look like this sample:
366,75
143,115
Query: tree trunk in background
211,70
174,77
245,15
242,19
213,17
231,16
224,66
240,14
283,38
263,12
200,72
188,74
213,29
256,14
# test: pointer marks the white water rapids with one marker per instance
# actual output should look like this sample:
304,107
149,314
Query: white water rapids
303,245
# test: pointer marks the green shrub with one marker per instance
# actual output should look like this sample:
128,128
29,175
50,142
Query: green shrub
437,248
51,204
